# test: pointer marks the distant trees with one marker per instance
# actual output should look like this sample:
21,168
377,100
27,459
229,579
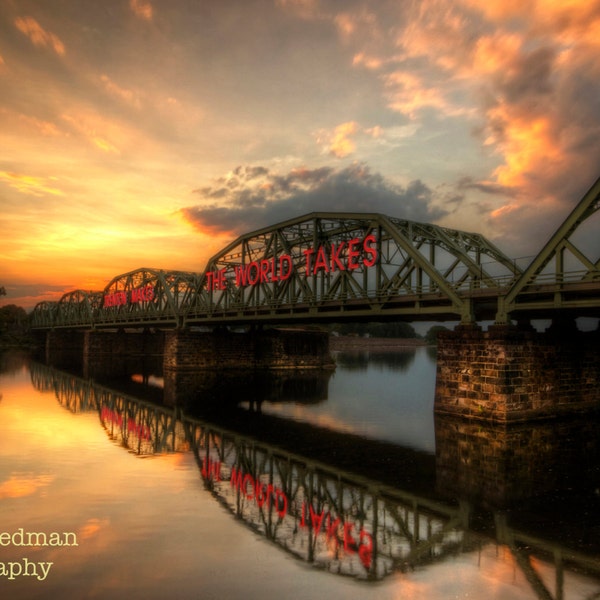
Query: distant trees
396,329
14,326
431,335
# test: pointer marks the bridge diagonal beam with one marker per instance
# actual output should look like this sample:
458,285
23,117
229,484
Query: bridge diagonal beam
554,248
460,305
473,268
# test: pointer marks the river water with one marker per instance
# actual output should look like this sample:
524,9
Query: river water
333,485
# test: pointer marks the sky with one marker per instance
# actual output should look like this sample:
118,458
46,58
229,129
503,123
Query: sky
147,133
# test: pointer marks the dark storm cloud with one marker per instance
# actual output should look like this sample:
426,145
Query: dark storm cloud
487,187
264,197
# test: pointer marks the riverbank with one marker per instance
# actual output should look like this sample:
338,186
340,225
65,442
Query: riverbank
343,342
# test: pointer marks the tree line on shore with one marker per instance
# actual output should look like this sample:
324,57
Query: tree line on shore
391,329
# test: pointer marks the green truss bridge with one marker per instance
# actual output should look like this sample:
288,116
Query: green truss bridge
350,266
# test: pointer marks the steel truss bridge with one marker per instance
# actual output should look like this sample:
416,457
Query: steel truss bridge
332,519
350,266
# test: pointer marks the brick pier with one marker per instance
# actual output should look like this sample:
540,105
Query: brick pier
269,349
114,353
506,374
109,353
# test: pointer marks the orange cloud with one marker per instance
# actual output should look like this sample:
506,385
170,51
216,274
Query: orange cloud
28,184
348,24
372,63
493,54
409,93
504,210
45,128
341,144
126,95
567,21
522,70
38,35
142,9
528,146
100,132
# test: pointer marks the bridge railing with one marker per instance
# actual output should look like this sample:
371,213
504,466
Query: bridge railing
198,304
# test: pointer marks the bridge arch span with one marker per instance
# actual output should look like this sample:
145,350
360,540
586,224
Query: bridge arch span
146,295
331,266
349,265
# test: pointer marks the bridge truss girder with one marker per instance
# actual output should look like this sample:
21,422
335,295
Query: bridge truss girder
347,266
123,302
170,290
420,271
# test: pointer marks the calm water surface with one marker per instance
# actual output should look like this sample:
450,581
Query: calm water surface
341,485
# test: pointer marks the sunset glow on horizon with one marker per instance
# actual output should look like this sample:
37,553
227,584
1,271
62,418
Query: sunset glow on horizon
135,133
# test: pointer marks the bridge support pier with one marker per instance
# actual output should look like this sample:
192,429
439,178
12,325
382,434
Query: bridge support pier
268,349
116,353
63,348
506,374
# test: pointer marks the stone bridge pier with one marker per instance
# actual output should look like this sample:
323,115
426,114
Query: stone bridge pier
255,349
509,374
115,353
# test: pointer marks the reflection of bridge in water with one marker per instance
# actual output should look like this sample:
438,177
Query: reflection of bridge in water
330,517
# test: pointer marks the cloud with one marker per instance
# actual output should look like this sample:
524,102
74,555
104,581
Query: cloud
253,197
38,35
487,187
142,9
346,138
525,75
342,144
30,184
106,135
124,94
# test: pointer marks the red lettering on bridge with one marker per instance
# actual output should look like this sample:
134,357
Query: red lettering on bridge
265,271
351,255
120,298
